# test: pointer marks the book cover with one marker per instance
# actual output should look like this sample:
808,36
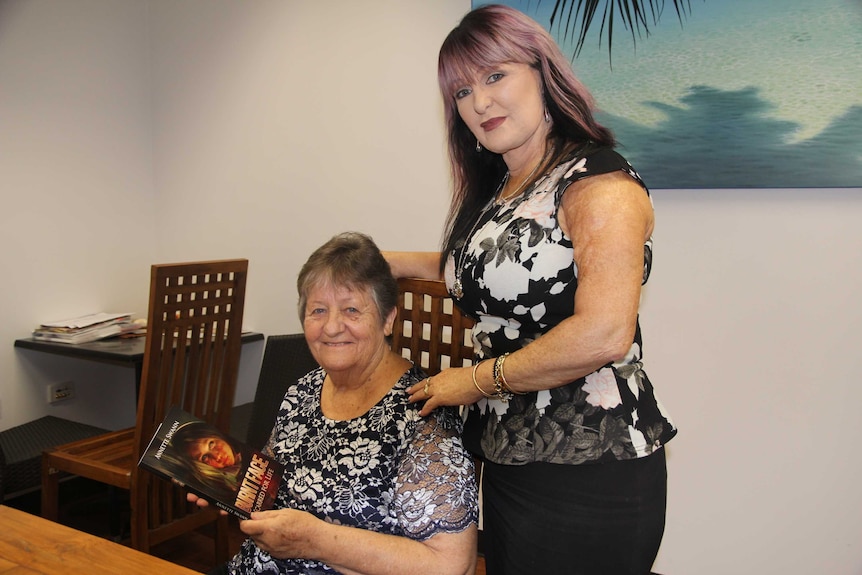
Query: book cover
212,465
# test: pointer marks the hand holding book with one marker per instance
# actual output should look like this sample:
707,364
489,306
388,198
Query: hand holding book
212,465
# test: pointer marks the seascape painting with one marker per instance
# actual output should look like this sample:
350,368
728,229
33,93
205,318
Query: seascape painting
727,94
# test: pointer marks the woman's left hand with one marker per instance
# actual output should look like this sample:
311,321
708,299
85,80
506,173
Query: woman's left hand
451,386
283,533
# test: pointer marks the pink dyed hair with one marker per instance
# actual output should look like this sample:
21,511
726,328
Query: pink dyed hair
486,37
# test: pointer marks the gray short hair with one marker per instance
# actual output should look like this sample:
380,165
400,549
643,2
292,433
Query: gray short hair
350,259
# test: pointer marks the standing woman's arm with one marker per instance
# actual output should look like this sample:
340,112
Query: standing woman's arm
423,265
608,217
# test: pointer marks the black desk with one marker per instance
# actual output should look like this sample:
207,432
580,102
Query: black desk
116,350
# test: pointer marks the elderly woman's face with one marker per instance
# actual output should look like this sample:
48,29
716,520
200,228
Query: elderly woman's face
343,328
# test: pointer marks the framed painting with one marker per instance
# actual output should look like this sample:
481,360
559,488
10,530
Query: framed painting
726,94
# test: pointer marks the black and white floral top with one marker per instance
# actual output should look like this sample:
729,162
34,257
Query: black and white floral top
389,471
519,281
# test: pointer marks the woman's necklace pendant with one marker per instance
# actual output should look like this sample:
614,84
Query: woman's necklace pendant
457,288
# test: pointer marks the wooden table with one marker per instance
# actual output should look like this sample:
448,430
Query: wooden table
32,545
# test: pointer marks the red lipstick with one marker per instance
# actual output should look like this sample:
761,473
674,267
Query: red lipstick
493,123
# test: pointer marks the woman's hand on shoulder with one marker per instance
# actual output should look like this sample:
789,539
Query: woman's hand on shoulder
452,386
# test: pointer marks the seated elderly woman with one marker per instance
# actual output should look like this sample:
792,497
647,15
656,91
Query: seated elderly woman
369,486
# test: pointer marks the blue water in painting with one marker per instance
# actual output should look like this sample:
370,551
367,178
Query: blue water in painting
741,93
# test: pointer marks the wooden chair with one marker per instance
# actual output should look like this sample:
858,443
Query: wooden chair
429,330
191,359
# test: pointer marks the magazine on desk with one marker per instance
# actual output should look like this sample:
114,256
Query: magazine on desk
212,465
86,328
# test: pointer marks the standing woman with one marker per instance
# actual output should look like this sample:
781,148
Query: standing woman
547,244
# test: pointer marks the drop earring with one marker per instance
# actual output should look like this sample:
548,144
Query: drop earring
547,116
478,146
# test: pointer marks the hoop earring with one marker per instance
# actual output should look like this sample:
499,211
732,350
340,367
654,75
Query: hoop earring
478,146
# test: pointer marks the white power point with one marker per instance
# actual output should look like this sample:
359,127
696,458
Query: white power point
58,392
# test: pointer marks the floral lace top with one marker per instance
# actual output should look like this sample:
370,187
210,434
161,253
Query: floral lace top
389,471
519,281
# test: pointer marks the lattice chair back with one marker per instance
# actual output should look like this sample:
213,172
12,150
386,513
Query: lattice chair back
191,359
194,329
429,329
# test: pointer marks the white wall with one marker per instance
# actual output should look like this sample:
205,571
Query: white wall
76,177
751,325
285,122
226,128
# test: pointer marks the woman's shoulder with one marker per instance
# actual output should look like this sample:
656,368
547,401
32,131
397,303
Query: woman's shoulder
397,394
414,374
591,160
443,416
594,161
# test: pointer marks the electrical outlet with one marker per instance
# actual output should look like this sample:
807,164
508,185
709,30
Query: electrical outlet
58,392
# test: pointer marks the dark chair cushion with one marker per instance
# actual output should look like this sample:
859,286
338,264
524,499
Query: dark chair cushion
22,447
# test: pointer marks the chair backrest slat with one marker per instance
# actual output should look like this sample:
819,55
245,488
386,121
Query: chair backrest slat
429,329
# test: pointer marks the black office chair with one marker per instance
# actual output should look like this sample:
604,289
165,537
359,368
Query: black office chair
286,358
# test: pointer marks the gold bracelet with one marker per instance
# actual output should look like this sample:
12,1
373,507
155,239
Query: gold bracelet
503,376
476,383
500,387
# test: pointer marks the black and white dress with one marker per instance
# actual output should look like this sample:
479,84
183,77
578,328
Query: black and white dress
519,281
389,471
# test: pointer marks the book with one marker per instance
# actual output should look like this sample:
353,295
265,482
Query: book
212,465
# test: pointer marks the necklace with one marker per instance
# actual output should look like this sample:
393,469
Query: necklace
457,286
499,199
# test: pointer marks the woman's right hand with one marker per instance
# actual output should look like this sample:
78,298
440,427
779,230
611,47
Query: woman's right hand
283,533
452,386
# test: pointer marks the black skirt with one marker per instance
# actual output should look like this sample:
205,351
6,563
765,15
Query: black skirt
544,518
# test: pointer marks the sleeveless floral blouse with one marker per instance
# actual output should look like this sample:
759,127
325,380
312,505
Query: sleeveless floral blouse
390,470
519,281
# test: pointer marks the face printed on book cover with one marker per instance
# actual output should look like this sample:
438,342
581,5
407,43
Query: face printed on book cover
213,451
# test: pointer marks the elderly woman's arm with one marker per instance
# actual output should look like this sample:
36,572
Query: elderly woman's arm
287,533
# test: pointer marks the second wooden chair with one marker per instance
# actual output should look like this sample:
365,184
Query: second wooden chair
191,359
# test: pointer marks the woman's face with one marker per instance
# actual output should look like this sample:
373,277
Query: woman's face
343,328
504,109
214,451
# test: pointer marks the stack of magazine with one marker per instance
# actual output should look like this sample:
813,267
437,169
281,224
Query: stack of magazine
86,328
